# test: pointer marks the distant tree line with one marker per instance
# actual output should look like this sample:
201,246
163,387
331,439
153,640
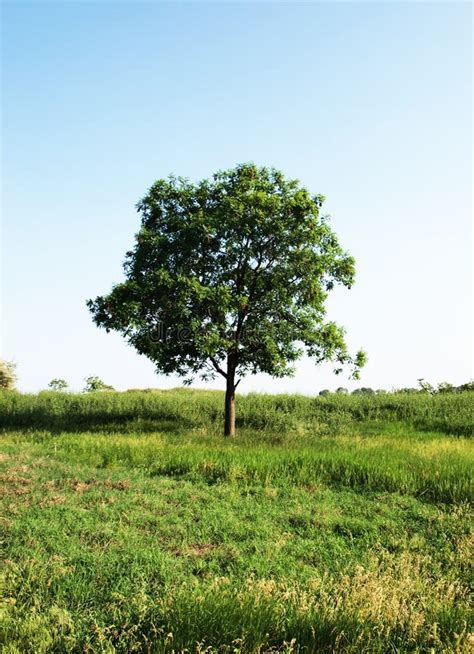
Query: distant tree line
8,379
423,387
93,384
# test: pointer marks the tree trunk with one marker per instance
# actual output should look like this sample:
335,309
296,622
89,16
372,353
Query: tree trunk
229,422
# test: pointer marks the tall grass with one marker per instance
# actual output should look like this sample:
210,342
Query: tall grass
450,413
420,466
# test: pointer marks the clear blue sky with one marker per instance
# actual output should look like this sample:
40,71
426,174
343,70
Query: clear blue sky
366,103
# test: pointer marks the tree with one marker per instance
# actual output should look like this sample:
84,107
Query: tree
7,375
229,277
94,383
57,384
426,387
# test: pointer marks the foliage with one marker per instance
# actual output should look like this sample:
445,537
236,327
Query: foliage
426,387
230,276
363,391
468,387
94,383
331,524
58,384
7,375
443,387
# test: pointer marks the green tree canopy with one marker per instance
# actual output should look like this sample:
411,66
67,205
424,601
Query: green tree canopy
94,383
58,384
230,276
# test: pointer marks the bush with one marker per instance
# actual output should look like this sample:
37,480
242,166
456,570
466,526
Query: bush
7,375
363,391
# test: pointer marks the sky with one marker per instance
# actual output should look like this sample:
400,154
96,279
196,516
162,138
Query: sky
366,103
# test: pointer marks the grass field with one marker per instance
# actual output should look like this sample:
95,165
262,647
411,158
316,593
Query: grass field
336,524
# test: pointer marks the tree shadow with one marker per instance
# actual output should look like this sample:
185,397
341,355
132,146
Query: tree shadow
96,423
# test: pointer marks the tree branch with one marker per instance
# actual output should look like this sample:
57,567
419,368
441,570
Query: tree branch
217,367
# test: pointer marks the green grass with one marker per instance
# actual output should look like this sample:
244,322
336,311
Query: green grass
450,413
326,525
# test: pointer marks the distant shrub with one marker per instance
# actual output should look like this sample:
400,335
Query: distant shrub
469,387
444,387
7,375
363,391
324,392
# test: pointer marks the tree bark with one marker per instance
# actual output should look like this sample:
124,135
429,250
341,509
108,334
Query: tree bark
229,422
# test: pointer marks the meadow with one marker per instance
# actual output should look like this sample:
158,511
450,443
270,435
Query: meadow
328,524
